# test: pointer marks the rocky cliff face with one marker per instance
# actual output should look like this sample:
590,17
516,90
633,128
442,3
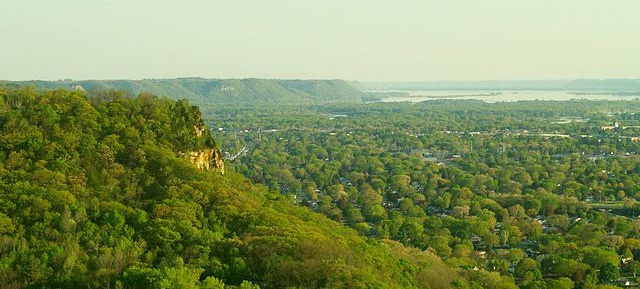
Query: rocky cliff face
208,158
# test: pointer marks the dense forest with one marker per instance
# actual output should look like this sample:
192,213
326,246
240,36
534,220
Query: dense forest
97,190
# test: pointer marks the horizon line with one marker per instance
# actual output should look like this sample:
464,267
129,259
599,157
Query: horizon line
69,79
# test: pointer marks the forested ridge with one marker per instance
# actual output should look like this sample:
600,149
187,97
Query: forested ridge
218,91
97,191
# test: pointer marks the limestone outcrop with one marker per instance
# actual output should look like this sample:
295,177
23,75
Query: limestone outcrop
207,159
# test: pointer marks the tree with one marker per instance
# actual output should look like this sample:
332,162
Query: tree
600,256
525,266
609,272
634,267
212,283
560,283
460,211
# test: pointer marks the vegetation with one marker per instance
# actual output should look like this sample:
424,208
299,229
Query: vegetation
220,91
96,192
544,193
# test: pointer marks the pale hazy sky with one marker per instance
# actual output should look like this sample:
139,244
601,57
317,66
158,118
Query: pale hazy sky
366,40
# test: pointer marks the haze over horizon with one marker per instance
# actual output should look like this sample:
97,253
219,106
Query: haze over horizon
368,41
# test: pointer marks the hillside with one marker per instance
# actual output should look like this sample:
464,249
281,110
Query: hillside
100,192
224,91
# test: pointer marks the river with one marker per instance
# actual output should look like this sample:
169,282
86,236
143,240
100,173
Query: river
498,96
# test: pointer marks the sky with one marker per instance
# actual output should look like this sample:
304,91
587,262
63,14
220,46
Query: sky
364,40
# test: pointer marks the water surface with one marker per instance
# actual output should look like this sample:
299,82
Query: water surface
496,96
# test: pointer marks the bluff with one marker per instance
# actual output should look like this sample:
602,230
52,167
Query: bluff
102,192
220,91
205,156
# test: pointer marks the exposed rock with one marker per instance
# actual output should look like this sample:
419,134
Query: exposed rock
207,159
198,130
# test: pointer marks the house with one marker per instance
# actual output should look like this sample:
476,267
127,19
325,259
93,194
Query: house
625,282
477,242
431,210
430,159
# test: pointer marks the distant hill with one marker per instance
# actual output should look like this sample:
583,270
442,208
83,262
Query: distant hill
211,91
579,84
604,84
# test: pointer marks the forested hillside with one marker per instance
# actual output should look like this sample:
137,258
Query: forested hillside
99,192
217,91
